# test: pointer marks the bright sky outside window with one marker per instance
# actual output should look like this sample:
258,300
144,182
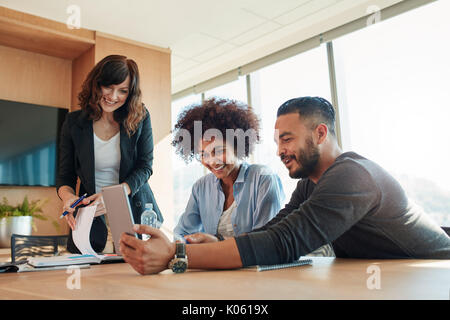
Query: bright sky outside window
394,91
184,175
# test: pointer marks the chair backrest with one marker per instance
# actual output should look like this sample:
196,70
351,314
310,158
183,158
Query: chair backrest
23,247
446,229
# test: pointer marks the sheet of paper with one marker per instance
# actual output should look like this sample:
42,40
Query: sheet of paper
80,235
101,210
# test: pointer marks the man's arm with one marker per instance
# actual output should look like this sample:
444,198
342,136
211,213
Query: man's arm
340,200
154,255
214,255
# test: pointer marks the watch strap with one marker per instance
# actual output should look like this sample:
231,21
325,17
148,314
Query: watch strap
219,237
180,250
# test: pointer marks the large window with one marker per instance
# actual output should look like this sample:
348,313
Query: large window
236,90
394,101
184,174
395,97
303,75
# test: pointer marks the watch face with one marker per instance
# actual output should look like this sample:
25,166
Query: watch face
179,266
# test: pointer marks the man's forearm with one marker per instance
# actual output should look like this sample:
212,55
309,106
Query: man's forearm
216,255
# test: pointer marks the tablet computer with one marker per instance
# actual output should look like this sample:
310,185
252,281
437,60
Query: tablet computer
118,210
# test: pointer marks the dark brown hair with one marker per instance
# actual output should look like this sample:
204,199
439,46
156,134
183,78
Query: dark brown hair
220,114
114,69
315,108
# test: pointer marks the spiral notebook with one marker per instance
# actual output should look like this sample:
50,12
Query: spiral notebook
297,263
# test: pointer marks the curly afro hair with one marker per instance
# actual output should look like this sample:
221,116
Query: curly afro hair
230,118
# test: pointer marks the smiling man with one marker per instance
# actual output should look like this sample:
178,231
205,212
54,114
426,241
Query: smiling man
343,199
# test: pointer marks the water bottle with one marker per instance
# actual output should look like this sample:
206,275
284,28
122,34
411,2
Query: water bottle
149,218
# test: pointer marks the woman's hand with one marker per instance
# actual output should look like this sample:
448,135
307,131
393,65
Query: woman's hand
67,202
97,199
201,237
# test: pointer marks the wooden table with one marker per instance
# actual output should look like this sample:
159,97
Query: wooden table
327,278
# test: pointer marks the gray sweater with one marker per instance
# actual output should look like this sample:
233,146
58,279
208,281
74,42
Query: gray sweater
357,207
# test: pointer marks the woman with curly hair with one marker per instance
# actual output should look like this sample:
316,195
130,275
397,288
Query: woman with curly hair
109,141
235,197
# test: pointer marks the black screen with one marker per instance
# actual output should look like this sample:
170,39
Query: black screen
29,136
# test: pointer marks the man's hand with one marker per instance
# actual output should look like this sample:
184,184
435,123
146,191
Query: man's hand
201,237
147,257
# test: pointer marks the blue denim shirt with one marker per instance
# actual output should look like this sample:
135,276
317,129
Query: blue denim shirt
257,192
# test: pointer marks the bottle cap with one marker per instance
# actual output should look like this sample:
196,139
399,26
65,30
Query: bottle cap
149,206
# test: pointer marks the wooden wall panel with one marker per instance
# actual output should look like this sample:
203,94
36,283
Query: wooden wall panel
35,78
39,79
80,69
27,32
26,19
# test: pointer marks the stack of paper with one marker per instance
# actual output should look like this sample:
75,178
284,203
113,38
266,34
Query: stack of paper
80,235
64,260
75,259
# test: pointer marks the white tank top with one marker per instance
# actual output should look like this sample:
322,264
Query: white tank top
225,227
107,161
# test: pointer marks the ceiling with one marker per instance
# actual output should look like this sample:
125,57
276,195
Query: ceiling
207,37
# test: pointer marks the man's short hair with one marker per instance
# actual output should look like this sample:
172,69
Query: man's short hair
315,108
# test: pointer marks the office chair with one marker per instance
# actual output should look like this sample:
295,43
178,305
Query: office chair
23,246
446,229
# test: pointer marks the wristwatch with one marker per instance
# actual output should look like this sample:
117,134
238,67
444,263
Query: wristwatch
179,263
219,237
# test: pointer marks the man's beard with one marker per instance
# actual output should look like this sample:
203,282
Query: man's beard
307,160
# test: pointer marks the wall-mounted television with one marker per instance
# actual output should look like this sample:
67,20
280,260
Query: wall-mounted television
29,139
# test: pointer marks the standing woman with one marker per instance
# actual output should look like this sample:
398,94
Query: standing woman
109,141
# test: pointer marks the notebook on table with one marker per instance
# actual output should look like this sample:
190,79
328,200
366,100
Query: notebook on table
300,262
23,266
58,262
81,239
74,259
80,235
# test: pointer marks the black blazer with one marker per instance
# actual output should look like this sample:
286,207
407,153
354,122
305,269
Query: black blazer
76,159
